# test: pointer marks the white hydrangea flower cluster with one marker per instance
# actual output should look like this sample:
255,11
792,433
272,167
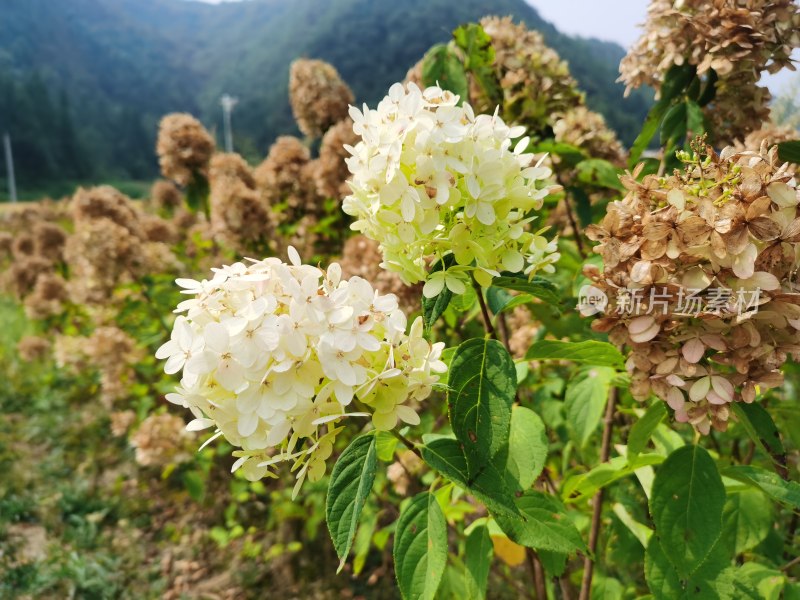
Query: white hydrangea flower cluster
273,354
430,178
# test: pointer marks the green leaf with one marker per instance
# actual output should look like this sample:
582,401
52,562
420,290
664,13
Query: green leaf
385,445
479,59
714,578
709,88
676,79
649,129
686,505
695,121
673,127
350,484
568,154
195,484
479,554
759,425
441,66
747,519
643,428
197,194
527,447
420,547
581,487
538,287
789,151
590,352
432,308
585,401
640,531
599,172
500,300
446,456
546,526
481,389
786,492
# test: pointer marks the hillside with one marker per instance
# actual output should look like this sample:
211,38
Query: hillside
83,83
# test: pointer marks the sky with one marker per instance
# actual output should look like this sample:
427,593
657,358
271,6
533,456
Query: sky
610,20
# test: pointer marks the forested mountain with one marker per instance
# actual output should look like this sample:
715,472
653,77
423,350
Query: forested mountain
84,82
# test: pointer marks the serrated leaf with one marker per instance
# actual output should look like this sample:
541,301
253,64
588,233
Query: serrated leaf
481,389
585,401
527,447
538,287
713,578
786,492
441,66
686,505
350,483
446,456
643,428
420,547
746,519
589,352
478,560
759,425
545,526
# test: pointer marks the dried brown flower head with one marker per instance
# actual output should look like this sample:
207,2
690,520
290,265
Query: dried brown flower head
48,297
156,229
165,196
738,39
332,173
240,216
121,421
699,268
49,240
535,82
161,440
184,148
23,246
318,96
6,243
100,254
20,277
33,347
112,352
104,202
588,131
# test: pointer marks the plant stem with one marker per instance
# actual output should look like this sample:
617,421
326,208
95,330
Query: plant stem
406,442
538,574
791,563
487,319
574,223
597,501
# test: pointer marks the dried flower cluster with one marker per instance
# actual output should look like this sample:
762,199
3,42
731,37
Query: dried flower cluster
162,440
723,234
318,96
430,179
184,148
165,196
283,178
112,352
239,215
273,354
330,174
113,243
33,347
738,39
587,130
535,82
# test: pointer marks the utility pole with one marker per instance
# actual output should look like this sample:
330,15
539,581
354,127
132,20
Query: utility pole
228,102
12,184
